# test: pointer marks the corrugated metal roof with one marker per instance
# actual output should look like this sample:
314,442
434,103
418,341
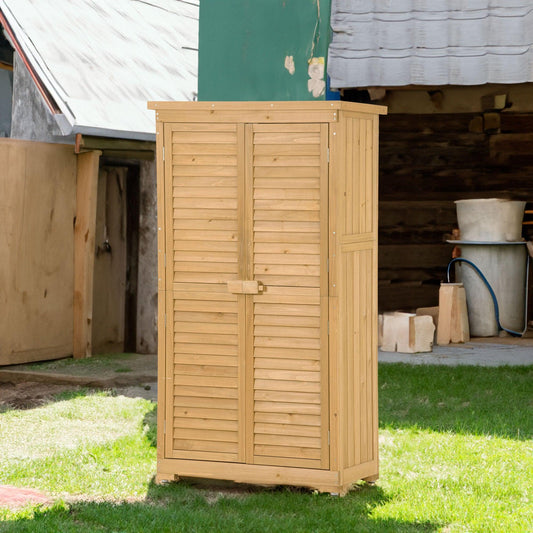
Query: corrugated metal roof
103,60
430,42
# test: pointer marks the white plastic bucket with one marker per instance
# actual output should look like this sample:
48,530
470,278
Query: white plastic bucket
490,219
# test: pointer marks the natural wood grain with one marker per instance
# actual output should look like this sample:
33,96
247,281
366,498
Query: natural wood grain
276,202
84,245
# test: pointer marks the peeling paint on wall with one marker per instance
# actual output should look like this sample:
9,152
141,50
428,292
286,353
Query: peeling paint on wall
289,65
316,84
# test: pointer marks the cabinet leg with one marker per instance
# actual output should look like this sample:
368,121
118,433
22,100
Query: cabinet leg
371,479
162,478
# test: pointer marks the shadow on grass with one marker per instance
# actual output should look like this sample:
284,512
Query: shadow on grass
463,399
184,507
150,422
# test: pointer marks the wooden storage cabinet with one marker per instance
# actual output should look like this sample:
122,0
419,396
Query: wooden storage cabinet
267,218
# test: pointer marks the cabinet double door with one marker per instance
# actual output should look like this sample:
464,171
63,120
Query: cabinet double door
246,374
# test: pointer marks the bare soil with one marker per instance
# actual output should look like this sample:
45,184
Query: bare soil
29,394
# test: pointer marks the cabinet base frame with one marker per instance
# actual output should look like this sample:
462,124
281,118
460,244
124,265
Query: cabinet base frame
321,480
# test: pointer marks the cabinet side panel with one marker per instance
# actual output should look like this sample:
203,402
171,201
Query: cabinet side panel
356,276
360,352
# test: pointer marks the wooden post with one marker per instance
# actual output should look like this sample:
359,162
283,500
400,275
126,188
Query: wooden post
84,239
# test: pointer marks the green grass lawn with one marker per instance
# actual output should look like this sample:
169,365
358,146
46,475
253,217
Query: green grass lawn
456,455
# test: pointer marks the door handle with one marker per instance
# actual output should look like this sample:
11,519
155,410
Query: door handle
239,286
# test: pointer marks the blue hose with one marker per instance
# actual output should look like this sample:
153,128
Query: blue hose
492,294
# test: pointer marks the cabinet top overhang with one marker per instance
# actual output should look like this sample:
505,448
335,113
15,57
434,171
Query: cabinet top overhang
323,111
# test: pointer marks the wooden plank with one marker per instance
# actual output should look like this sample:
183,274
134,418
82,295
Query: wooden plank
303,238
180,191
336,168
287,418
206,148
291,182
205,370
205,306
211,424
287,172
287,259
199,213
202,183
254,473
37,207
205,349
286,226
207,235
204,159
248,323
191,256
207,392
203,413
196,338
286,248
286,128
304,109
199,267
287,216
205,360
283,309
288,270
285,342
282,150
269,193
288,330
203,446
206,327
208,128
287,408
281,205
286,386
286,160
249,116
287,440
229,204
204,224
213,318
286,397
84,244
278,320
202,436
284,374
287,462
194,403
287,451
202,138
324,295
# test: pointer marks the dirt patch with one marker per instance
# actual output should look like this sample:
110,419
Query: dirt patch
29,394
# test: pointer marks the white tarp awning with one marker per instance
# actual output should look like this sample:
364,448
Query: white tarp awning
382,43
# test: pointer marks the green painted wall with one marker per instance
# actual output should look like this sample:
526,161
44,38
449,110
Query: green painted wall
244,46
